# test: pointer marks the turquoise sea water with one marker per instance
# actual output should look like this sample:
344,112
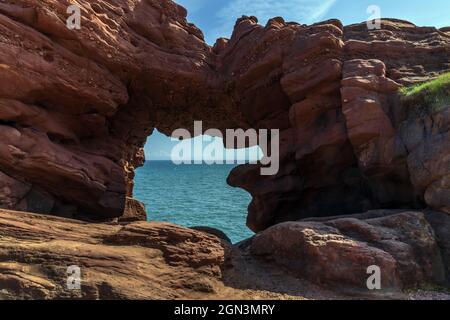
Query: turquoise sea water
193,195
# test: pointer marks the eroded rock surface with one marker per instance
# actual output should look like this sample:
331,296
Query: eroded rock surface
344,151
141,260
76,107
321,259
74,104
340,250
134,261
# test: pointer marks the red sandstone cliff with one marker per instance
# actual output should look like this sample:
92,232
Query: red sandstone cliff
76,107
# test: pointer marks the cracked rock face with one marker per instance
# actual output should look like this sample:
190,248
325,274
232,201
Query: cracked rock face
346,148
340,250
135,261
314,258
76,107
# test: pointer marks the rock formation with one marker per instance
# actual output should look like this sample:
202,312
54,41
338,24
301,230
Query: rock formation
342,150
145,260
166,262
76,107
340,250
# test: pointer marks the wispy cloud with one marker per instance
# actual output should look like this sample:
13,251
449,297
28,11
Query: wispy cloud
302,11
322,10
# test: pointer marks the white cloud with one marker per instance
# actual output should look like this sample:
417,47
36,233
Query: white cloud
301,11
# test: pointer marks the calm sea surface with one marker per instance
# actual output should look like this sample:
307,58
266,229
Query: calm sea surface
193,195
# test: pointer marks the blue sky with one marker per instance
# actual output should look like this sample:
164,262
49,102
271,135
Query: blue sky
217,17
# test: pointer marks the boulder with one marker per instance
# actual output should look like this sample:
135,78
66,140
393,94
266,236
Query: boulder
338,251
427,138
141,260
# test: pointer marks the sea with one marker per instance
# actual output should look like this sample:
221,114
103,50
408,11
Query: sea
193,195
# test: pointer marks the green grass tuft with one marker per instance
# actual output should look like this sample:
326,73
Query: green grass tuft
433,95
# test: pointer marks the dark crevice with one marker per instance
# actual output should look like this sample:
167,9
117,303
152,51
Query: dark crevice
9,123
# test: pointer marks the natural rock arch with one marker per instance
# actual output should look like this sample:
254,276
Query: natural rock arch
76,107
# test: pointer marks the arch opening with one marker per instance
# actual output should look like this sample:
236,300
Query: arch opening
195,193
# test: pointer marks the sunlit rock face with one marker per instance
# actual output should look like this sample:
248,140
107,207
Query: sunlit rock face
339,250
349,147
140,260
76,107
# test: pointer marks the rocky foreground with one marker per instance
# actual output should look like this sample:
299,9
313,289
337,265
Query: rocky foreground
76,107
135,261
313,259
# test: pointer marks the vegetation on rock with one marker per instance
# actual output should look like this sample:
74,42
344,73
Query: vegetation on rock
433,94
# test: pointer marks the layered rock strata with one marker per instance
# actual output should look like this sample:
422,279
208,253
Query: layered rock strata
47,257
76,107
403,246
